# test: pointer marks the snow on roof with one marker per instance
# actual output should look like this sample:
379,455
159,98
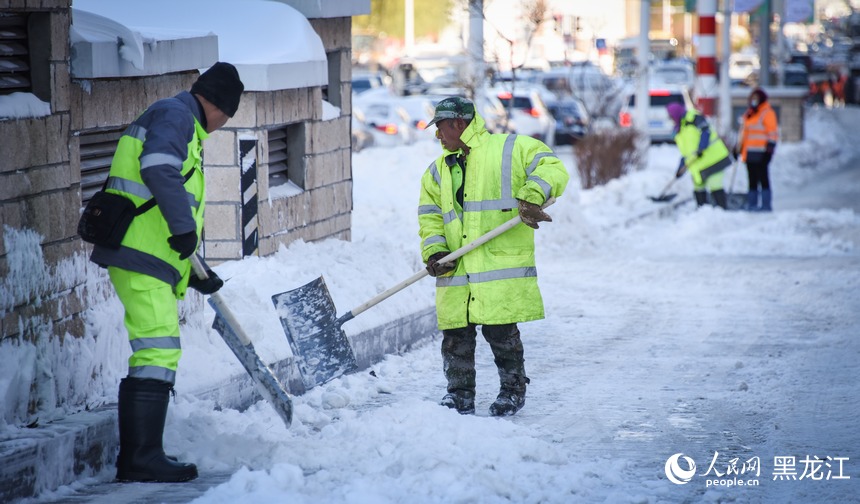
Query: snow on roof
327,9
272,45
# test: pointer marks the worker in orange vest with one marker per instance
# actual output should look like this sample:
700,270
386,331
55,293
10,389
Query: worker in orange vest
757,144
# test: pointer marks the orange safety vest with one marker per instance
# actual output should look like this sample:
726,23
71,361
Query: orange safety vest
760,127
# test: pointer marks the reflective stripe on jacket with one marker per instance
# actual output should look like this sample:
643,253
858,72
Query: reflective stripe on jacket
153,156
760,128
689,140
497,282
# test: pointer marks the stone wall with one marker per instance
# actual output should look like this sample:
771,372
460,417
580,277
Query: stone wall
46,280
38,189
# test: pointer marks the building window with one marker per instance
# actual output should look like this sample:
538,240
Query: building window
331,92
97,150
286,155
14,54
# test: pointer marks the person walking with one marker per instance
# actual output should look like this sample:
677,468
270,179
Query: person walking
159,156
703,154
757,144
478,183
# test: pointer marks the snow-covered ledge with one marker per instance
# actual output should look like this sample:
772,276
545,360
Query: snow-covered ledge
272,44
102,48
327,9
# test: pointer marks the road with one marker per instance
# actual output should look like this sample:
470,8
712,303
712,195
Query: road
645,353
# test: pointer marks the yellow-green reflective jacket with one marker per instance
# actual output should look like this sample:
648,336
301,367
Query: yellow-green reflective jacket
154,155
497,282
689,139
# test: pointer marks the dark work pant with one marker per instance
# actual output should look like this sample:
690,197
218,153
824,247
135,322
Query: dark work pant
458,356
758,176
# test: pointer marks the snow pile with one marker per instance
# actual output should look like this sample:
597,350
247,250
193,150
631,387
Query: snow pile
23,105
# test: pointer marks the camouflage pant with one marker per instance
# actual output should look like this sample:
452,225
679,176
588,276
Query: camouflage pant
458,356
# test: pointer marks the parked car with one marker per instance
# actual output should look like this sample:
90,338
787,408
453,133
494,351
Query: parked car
362,82
390,123
676,72
362,136
795,75
743,68
586,82
571,120
660,127
528,113
420,109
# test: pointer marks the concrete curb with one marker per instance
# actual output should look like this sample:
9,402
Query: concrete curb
82,445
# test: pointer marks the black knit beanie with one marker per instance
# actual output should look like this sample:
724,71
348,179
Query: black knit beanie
221,86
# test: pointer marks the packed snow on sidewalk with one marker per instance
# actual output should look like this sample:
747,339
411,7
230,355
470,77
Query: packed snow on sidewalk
382,437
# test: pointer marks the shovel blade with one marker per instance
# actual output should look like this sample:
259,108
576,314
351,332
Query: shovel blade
736,201
267,384
309,319
664,198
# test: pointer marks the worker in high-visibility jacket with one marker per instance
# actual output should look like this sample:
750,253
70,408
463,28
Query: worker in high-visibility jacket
703,154
758,140
481,181
159,156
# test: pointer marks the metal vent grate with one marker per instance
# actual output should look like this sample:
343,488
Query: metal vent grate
97,149
14,54
278,157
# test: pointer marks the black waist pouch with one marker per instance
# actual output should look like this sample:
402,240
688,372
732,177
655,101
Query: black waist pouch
106,219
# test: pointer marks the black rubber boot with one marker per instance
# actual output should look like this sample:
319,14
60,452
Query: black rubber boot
458,361
142,412
720,200
507,347
701,197
461,400
511,399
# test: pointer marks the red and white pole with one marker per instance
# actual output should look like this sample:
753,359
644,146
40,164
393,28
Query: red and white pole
706,61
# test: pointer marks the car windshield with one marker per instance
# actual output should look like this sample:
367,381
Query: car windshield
520,102
359,85
660,100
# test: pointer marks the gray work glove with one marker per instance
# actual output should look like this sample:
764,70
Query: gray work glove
436,269
531,214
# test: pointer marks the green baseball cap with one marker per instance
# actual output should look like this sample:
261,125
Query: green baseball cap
454,107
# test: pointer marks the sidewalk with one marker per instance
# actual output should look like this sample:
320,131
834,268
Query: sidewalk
84,445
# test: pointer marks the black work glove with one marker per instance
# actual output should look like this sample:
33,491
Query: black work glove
435,269
208,286
531,214
680,172
185,243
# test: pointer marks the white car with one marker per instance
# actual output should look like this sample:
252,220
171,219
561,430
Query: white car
587,83
528,113
672,73
742,66
389,122
420,109
660,127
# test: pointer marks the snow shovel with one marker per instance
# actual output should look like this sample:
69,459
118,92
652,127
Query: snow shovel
735,201
314,331
239,342
663,197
